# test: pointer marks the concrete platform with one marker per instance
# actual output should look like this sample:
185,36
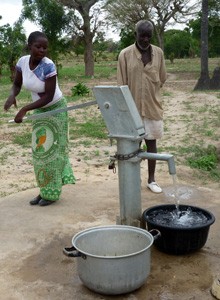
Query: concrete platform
32,265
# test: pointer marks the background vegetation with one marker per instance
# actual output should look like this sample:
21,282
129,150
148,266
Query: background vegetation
80,26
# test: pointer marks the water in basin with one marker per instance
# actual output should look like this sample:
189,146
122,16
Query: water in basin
178,218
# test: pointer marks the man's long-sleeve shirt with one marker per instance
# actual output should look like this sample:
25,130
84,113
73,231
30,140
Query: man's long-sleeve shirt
144,82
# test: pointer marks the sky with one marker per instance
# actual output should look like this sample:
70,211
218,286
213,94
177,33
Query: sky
10,10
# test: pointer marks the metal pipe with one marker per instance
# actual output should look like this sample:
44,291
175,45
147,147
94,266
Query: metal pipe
129,184
165,157
53,112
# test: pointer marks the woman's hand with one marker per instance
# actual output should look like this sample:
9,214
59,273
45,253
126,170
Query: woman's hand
15,90
20,115
10,101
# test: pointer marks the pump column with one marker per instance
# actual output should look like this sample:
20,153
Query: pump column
129,183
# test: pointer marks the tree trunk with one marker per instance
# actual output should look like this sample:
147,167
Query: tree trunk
161,43
0,72
88,36
160,38
215,81
204,80
88,57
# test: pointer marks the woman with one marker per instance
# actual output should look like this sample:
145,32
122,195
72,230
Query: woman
51,163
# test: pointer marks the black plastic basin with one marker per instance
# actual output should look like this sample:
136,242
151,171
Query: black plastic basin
179,239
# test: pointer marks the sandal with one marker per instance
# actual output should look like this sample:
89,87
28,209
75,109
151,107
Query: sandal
35,201
154,187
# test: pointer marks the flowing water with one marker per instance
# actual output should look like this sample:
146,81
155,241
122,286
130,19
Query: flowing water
177,217
176,199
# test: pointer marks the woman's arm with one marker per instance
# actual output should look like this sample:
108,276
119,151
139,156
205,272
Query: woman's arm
15,90
50,86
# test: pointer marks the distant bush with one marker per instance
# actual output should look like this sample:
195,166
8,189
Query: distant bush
80,90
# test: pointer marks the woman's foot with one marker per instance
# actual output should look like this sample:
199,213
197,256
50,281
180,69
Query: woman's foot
44,202
35,201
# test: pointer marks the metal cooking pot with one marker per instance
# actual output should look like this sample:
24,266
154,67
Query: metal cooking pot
113,259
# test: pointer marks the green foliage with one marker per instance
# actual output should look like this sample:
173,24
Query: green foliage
53,20
99,45
213,28
79,49
204,159
171,57
78,43
12,44
80,89
127,37
4,79
178,43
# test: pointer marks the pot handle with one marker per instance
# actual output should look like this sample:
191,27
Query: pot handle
69,252
155,233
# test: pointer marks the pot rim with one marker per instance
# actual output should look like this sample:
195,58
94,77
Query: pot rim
114,227
209,223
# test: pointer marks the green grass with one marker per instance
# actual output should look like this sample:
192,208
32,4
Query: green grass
4,156
190,65
77,72
206,159
72,73
23,140
94,128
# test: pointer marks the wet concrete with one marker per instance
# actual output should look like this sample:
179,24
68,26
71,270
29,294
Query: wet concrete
32,265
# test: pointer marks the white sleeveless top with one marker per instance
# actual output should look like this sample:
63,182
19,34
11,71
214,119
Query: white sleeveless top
34,80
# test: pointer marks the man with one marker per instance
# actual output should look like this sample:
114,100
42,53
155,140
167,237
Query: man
141,66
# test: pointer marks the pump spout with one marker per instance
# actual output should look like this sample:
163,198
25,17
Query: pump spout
166,157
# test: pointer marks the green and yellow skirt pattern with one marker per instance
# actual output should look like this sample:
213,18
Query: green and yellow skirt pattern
50,148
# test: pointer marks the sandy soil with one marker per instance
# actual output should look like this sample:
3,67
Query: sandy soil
184,115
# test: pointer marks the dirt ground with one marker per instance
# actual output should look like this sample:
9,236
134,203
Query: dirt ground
32,265
182,124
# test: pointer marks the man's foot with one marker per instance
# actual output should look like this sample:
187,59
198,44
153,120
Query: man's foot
154,187
44,202
35,201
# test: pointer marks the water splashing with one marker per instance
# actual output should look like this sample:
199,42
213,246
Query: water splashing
179,216
184,218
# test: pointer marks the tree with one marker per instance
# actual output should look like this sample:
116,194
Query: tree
126,13
213,28
204,80
127,37
78,44
89,24
99,45
178,42
12,44
53,21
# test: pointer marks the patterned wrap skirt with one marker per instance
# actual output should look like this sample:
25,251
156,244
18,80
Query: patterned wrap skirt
50,148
